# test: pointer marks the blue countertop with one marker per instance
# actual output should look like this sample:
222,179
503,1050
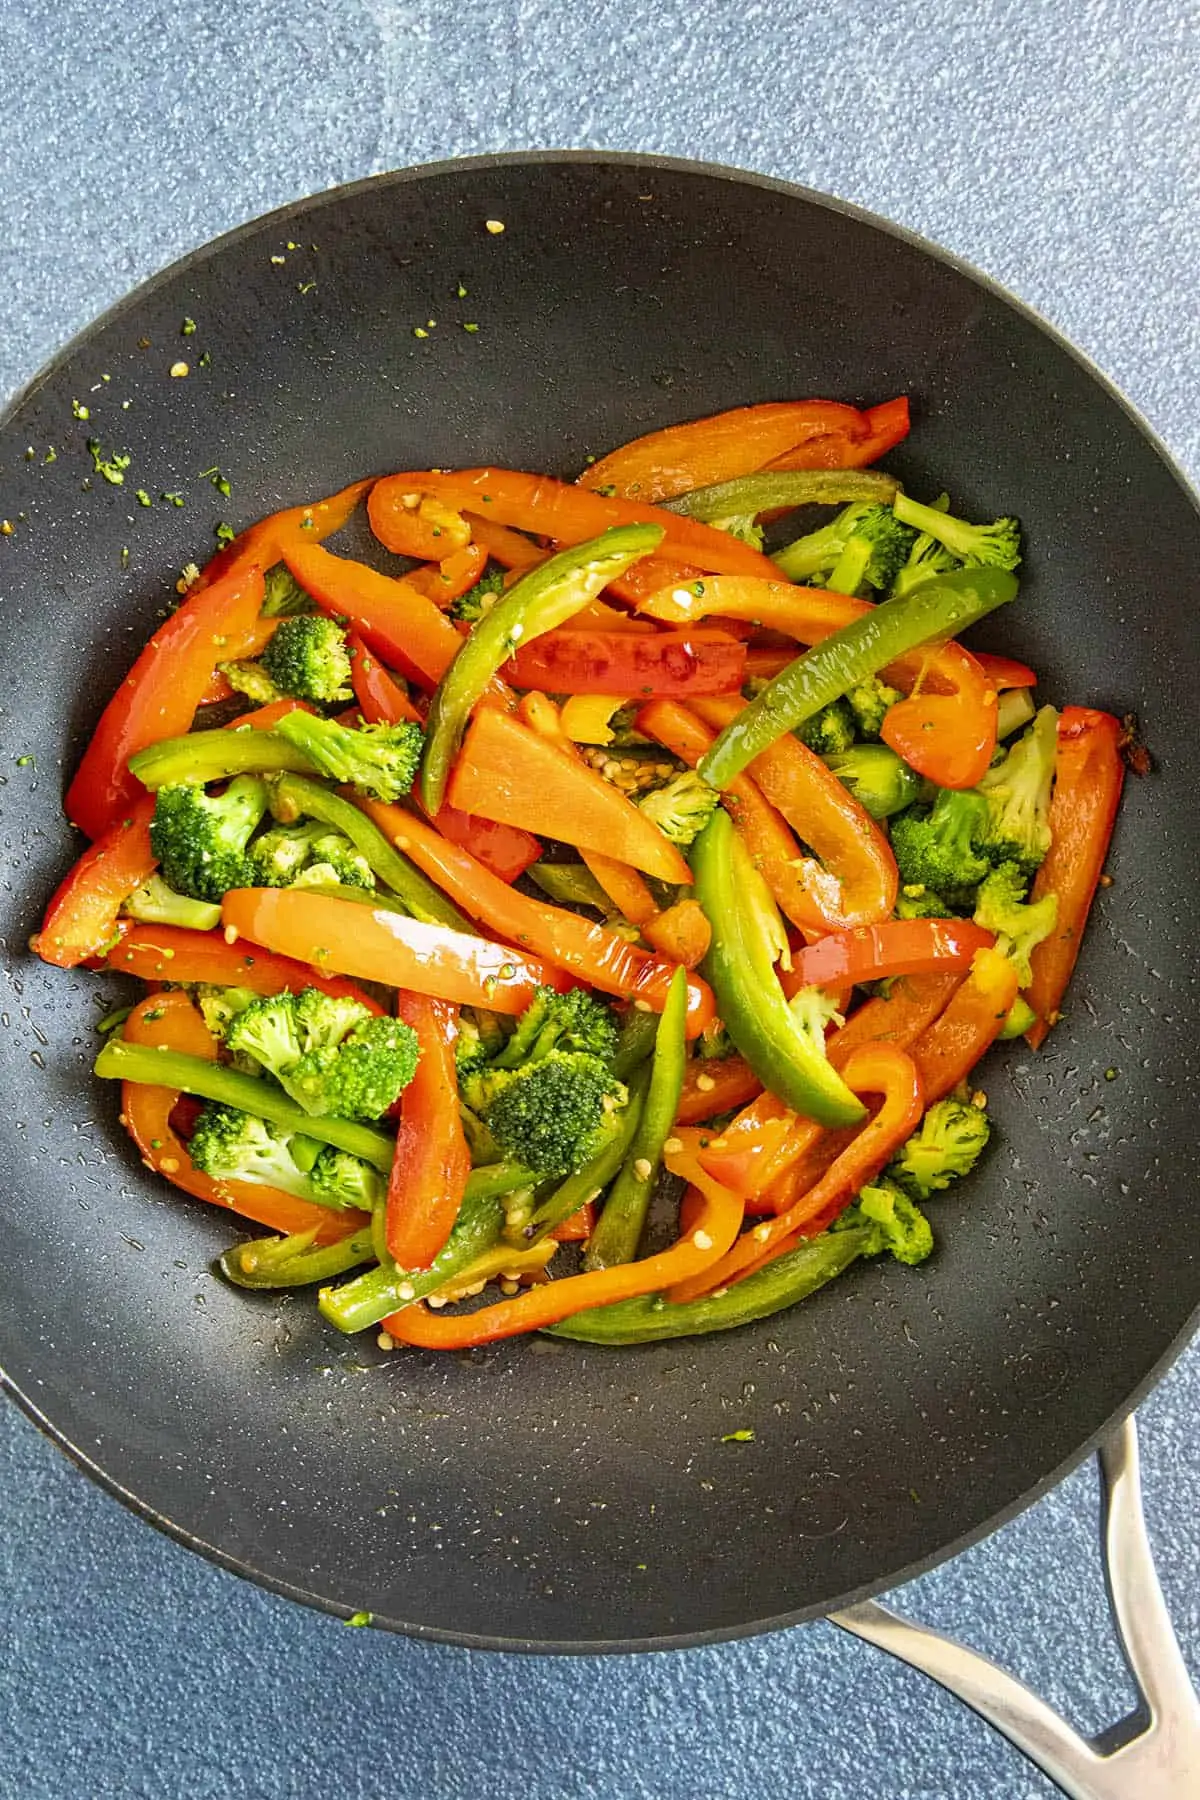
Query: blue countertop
1053,146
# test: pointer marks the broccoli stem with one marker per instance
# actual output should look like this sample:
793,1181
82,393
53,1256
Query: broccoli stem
151,1067
154,903
774,489
590,1182
850,567
204,756
782,1283
1021,1018
285,1262
1014,708
293,797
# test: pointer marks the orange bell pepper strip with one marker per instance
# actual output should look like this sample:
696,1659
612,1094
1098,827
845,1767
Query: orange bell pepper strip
597,615
773,850
376,944
507,772
265,718
871,1069
649,576
578,1228
792,434
432,1161
948,738
947,1051
506,547
171,1022
896,947
712,1229
82,920
569,514
252,644
676,663
261,545
159,696
1005,671
172,953
854,882
887,425
414,522
456,574
713,1085
588,952
394,618
681,933
1088,775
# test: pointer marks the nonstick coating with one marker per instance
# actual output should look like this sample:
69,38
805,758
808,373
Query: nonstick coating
544,1494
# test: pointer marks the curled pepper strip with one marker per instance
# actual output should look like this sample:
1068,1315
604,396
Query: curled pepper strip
446,581
171,953
412,522
711,1230
949,1048
895,947
393,617
262,544
432,1161
83,917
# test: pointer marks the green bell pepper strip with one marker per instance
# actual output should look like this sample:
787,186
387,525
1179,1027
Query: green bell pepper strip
790,1278
619,1230
936,610
638,1033
570,884
740,968
774,489
215,756
286,1262
590,1182
548,596
293,797
150,1067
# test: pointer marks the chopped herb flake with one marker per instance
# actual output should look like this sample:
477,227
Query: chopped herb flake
218,480
462,292
205,359
25,762
111,467
174,499
187,328
738,1437
51,455
359,1618
224,534
305,287
471,328
80,411
142,497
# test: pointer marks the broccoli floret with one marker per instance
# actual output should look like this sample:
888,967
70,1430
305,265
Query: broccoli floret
869,703
682,807
997,545
812,558
265,1031
935,847
946,1145
741,525
880,781
814,1012
284,595
323,1020
921,903
251,679
230,1145
552,1114
829,731
899,1224
344,1181
471,606
220,1006
1017,791
1000,907
714,1042
308,855
330,1054
307,657
576,1020
154,903
874,553
381,760
926,558
200,839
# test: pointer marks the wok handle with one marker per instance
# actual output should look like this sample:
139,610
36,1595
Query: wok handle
1154,1754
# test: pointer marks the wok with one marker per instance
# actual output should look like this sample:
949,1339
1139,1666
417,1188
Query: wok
547,1495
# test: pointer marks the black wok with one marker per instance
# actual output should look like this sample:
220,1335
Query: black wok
547,1495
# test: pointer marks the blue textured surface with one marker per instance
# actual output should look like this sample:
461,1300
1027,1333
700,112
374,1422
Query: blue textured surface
1053,146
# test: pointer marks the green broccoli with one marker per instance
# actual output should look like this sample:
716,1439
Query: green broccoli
220,1006
1000,906
200,839
332,1055
344,1181
1014,709
936,847
284,595
814,1012
873,554
926,558
471,606
1017,790
741,525
899,1224
576,1020
230,1145
308,657
869,703
154,903
997,545
880,781
714,1042
681,808
829,731
381,760
309,854
251,679
480,1037
946,1145
813,558
915,902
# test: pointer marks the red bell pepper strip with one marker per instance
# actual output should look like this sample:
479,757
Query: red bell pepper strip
374,944
712,1228
1005,671
713,1085
681,933
381,699
677,663
569,514
947,1051
1088,775
948,738
394,618
887,426
507,772
896,947
432,1161
82,920
261,545
854,879
586,951
170,953
446,581
265,718
159,696
578,1228
413,522
651,576
171,1022
251,645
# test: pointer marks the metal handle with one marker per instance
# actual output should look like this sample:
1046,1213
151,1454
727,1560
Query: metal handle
1154,1754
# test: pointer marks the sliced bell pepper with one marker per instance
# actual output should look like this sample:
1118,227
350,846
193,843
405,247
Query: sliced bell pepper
654,573
506,547
261,545
1088,774
432,1163
265,718
1005,671
747,991
713,1085
586,951
948,738
82,920
771,491
578,1228
446,581
507,772
728,444
887,426
708,1237
413,522
251,645
393,617
159,696
895,947
678,663
571,515
171,1022
380,696
680,932
374,944
545,597
871,1069
598,615
936,609
854,882
171,953
947,1051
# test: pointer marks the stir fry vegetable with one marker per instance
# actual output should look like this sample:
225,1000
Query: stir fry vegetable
614,906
